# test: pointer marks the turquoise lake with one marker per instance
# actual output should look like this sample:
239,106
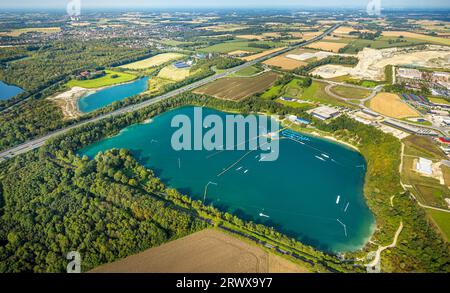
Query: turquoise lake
107,96
297,194
8,91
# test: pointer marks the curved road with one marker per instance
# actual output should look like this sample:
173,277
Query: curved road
36,143
328,89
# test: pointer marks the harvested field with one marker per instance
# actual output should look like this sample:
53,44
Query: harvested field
417,36
21,31
327,46
343,30
250,37
236,88
238,52
305,35
262,54
153,61
391,105
207,251
285,63
173,73
224,27
230,46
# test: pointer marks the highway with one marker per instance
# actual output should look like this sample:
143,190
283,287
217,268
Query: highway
38,142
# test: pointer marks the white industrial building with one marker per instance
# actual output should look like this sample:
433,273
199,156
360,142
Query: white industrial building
324,112
409,73
424,166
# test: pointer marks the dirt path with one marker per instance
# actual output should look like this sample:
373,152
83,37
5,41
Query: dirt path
377,258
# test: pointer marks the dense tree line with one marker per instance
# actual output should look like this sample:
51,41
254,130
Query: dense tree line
366,35
60,59
102,208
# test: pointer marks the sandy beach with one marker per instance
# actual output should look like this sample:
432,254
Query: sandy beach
68,101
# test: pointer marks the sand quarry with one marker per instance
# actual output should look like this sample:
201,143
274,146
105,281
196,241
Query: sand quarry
207,251
372,62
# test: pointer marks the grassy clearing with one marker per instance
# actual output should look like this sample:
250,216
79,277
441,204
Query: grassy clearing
262,54
153,61
297,105
350,92
442,220
248,71
361,82
439,101
107,80
446,173
428,190
231,46
315,93
423,146
156,84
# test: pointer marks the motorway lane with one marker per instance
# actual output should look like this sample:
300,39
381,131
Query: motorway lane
36,143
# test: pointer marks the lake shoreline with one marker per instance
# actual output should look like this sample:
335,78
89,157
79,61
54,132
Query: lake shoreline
9,90
252,211
68,101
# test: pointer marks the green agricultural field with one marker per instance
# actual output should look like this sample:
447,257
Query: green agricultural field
106,80
297,105
350,92
354,46
272,93
231,46
442,219
315,93
248,71
362,82
439,101
428,190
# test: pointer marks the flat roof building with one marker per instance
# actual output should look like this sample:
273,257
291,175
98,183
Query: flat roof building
324,112
424,166
409,73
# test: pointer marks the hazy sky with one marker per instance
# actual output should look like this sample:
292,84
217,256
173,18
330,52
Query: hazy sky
223,3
